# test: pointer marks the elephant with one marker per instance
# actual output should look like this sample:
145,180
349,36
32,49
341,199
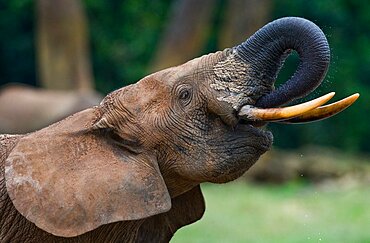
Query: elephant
130,169
26,109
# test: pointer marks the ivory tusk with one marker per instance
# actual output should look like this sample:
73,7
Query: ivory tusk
277,114
324,112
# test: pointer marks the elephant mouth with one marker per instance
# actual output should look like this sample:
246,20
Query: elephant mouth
310,111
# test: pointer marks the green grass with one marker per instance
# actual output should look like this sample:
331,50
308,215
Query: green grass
240,212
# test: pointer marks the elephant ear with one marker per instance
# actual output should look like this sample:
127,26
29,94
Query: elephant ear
69,179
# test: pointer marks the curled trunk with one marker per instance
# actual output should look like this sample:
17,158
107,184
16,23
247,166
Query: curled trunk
266,50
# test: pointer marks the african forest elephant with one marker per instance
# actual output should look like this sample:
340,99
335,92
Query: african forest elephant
129,169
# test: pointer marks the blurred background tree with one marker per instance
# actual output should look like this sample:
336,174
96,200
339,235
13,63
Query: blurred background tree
62,45
130,38
187,31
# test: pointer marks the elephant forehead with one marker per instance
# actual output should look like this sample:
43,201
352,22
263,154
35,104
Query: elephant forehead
191,69
152,87
133,99
145,94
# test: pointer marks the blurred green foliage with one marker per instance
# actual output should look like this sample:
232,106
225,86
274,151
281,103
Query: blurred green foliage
125,33
17,52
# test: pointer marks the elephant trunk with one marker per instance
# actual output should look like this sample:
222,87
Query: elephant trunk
266,50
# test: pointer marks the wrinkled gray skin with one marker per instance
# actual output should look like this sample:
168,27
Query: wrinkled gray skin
186,116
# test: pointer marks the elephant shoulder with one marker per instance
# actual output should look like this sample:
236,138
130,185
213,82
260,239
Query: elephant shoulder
7,143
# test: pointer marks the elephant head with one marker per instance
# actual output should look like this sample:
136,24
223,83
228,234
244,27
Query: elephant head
153,141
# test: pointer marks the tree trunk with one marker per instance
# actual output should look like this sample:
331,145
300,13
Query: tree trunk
186,34
242,19
62,45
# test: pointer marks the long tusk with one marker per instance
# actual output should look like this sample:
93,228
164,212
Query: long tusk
284,113
324,112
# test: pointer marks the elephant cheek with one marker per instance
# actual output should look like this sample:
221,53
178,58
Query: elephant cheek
237,155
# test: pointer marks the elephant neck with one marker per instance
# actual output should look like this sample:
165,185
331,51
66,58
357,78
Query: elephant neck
176,184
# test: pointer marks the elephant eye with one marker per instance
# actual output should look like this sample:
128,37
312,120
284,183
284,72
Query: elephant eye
184,95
